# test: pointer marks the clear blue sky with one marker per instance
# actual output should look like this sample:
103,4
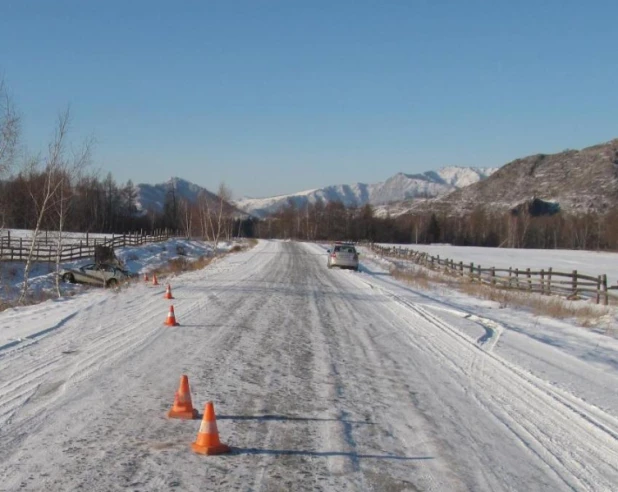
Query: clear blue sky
279,96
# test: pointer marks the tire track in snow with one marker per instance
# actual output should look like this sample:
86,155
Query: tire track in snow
542,417
30,389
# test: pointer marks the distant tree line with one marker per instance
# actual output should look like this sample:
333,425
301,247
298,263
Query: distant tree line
482,226
92,204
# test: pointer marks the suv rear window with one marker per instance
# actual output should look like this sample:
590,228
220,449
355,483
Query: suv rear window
345,249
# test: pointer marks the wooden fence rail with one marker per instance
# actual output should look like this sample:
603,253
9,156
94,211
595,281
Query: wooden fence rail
540,281
18,249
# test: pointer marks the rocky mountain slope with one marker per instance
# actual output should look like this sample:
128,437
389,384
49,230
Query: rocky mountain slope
573,180
398,187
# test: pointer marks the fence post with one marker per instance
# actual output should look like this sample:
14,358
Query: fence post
471,271
529,279
599,289
21,247
461,273
574,282
517,278
542,281
605,299
480,274
80,246
493,276
549,281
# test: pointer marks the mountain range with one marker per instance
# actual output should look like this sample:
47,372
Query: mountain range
574,181
399,187
395,189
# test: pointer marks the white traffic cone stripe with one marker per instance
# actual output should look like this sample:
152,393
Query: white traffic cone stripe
208,427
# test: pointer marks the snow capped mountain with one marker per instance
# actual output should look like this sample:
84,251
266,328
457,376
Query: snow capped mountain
152,197
396,188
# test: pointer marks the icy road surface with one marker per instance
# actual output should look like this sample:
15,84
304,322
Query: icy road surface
322,380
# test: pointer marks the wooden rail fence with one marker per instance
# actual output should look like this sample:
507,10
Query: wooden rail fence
541,281
46,248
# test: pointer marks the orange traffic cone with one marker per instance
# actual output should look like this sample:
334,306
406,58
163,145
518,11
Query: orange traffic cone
171,318
183,407
145,277
207,441
154,279
168,292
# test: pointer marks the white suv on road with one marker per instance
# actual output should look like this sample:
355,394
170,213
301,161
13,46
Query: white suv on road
343,255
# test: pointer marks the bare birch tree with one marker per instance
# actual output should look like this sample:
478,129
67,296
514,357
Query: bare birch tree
215,215
44,197
186,216
67,171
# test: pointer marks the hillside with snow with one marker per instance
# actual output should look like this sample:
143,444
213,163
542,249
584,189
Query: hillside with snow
399,187
153,197
574,181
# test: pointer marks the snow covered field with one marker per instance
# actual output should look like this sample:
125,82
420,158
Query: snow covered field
586,262
322,380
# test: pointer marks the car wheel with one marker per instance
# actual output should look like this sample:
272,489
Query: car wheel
68,277
112,283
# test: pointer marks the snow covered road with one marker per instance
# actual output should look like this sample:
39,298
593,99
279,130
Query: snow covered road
322,380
